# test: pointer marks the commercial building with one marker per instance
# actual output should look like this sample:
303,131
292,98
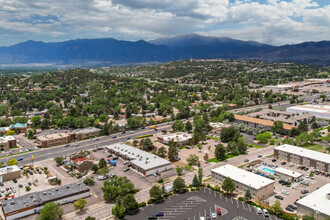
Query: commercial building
9,173
316,203
290,118
19,128
179,138
297,155
218,126
81,163
288,175
254,122
7,142
259,186
32,203
81,134
319,111
141,161
3,130
49,140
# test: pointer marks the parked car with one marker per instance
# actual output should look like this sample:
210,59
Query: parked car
114,137
208,217
246,160
159,214
14,180
29,183
266,214
20,159
293,207
285,192
101,177
279,197
218,211
2,190
304,191
289,209
126,169
258,210
214,216
115,158
283,163
19,185
273,160
259,156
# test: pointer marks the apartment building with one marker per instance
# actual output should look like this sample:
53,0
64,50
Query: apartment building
7,142
54,139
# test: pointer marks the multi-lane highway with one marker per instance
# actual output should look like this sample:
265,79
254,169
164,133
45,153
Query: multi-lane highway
61,150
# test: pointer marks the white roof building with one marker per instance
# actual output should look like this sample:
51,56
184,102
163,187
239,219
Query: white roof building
302,152
179,138
142,161
242,176
5,139
319,111
317,202
288,172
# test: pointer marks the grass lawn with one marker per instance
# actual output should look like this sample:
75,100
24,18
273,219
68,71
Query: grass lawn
103,171
278,140
314,147
228,156
183,147
272,155
207,179
254,146
215,160
213,138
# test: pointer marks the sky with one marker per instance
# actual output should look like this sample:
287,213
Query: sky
275,22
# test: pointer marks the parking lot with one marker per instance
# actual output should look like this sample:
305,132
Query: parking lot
193,205
295,189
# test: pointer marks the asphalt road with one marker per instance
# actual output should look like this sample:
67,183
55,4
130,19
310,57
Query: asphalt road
193,205
56,151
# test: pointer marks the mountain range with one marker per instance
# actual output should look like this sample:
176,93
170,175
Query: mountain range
112,51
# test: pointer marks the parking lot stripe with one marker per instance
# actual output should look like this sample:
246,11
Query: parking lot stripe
243,205
249,207
231,200
226,198
215,195
210,191
237,203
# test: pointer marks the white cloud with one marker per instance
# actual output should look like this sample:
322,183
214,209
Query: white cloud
273,21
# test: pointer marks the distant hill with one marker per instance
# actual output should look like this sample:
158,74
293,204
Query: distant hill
109,50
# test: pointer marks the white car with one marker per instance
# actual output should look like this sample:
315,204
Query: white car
101,177
258,210
266,213
214,216
285,192
2,190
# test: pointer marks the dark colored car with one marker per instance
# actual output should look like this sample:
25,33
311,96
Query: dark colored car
110,155
159,214
279,197
208,217
14,180
289,209
273,160
114,137
123,132
152,217
115,158
292,207
283,163
304,191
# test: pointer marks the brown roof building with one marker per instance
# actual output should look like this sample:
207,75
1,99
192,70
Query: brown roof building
53,139
256,121
81,163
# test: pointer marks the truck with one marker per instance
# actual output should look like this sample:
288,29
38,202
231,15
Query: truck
153,127
112,163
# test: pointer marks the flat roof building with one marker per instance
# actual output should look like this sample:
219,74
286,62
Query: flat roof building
32,203
142,161
319,111
317,203
179,138
298,155
9,173
19,128
7,142
259,186
288,175
49,140
83,133
291,118
254,122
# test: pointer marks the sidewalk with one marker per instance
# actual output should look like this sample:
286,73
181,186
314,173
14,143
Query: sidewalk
99,211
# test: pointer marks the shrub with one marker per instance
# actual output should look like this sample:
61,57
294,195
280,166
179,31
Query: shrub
151,201
142,204
241,199
58,181
89,182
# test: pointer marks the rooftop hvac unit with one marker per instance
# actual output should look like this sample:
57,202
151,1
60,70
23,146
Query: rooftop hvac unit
146,162
12,203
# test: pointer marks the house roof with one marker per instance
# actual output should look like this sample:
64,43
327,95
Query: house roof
18,125
79,159
261,121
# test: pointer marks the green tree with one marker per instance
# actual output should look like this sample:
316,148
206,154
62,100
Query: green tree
276,207
10,132
59,160
206,157
117,187
220,152
309,217
130,203
302,127
80,204
195,181
192,160
315,125
90,218
102,163
118,211
95,168
161,151
12,162
179,184
179,171
200,175
146,144
36,121
200,147
178,126
50,211
247,195
156,192
30,134
188,126
89,181
241,146
277,127
103,117
228,185
172,152
229,134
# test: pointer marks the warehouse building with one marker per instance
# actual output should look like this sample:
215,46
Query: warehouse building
297,155
7,142
81,134
141,161
319,111
316,203
32,203
259,186
179,138
53,139
9,173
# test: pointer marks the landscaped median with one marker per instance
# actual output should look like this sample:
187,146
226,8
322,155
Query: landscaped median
144,136
215,160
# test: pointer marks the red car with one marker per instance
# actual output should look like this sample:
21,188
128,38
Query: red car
218,211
